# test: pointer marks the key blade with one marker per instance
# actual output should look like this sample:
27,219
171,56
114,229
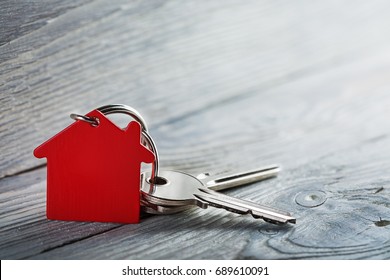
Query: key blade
247,202
244,207
218,183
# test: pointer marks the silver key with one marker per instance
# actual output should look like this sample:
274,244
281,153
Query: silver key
181,189
216,182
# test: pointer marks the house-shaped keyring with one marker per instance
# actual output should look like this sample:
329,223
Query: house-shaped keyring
93,172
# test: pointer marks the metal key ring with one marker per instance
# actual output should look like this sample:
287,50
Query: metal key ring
90,120
124,109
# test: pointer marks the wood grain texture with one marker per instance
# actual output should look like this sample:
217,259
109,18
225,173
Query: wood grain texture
170,60
224,88
24,228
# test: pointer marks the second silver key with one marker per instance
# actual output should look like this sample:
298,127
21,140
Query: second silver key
216,182
181,189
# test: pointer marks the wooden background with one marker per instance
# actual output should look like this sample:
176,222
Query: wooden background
224,86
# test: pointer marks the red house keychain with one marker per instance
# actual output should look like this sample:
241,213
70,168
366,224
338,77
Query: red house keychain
94,168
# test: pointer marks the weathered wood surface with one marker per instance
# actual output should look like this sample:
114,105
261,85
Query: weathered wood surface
224,87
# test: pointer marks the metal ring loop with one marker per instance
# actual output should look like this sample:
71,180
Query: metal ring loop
124,109
91,120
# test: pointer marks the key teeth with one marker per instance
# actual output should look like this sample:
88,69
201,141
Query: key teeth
274,222
212,192
206,202
204,205
291,220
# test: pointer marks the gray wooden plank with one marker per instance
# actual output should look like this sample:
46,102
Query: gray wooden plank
170,60
23,17
327,130
344,227
24,229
